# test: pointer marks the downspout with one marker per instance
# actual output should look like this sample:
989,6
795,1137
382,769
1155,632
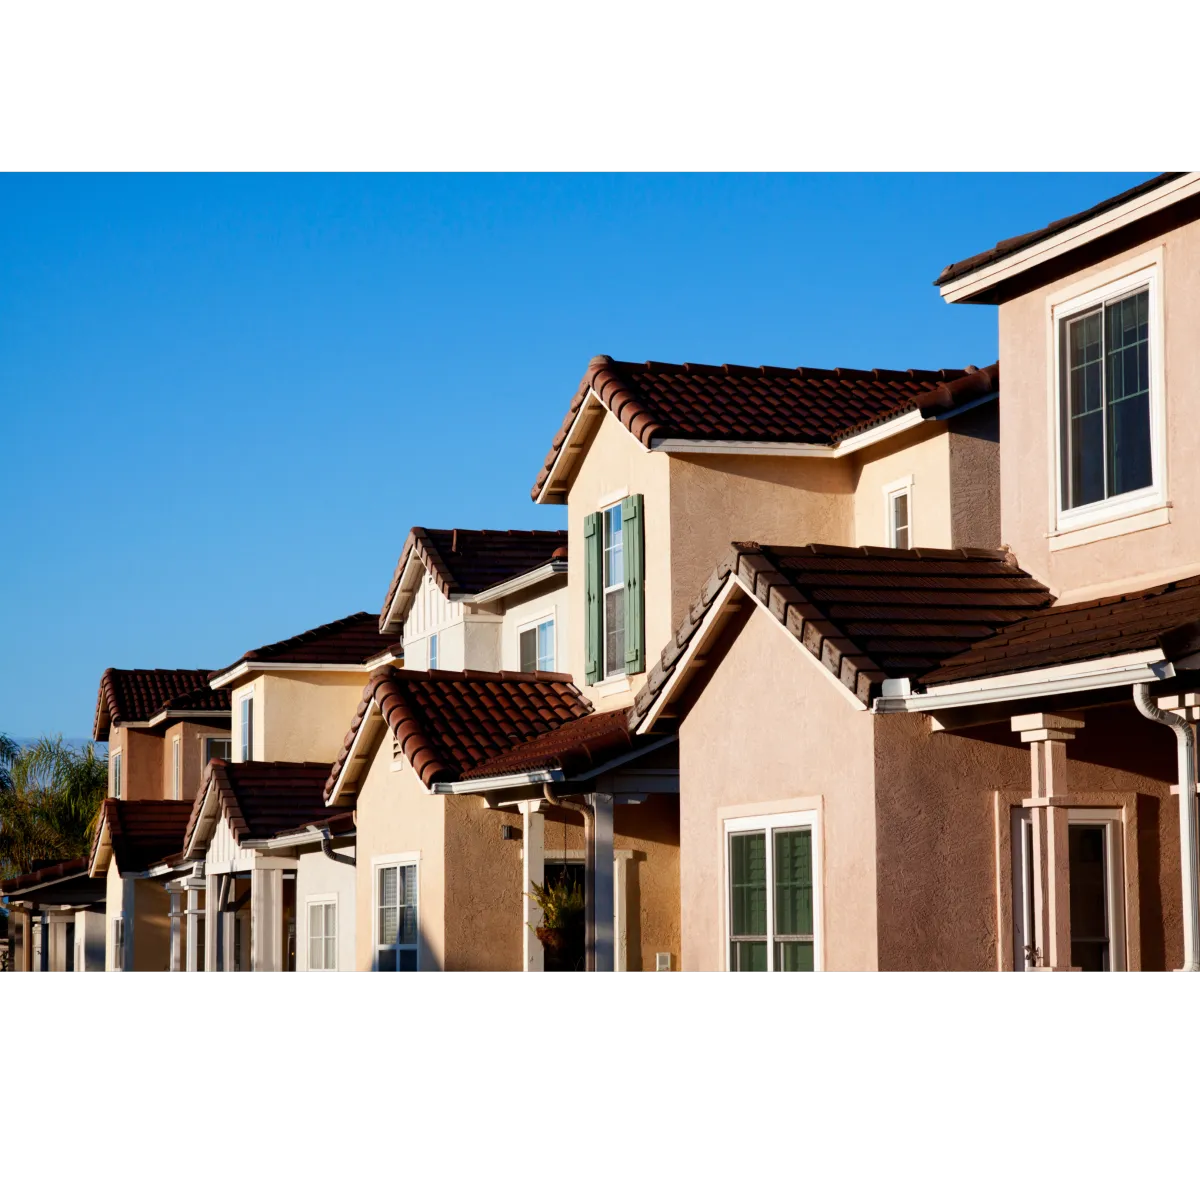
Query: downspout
1185,737
589,887
330,853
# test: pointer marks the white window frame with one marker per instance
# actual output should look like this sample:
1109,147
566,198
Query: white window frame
320,901
550,618
605,588
1113,824
118,943
432,655
176,767
245,703
209,755
1062,309
767,824
115,773
407,859
898,487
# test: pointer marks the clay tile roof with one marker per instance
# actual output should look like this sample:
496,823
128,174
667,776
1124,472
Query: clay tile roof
758,404
137,695
263,799
353,640
576,746
1003,249
143,832
866,613
1156,618
447,722
44,874
470,561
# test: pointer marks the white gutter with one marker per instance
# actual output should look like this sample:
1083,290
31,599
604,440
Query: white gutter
263,667
37,887
196,714
470,787
520,582
1185,736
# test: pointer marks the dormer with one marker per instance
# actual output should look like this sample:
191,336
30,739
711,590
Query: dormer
480,600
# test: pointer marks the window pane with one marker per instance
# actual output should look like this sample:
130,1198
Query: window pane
747,956
614,633
900,520
408,960
316,951
545,646
793,881
1089,897
614,560
748,883
529,650
1127,336
1085,411
794,956
386,960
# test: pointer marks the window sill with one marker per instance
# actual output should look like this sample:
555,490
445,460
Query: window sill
1111,525
612,687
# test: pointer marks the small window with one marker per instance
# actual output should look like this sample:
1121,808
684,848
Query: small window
898,497
433,651
176,769
116,775
221,748
396,917
614,593
247,730
322,935
537,647
118,931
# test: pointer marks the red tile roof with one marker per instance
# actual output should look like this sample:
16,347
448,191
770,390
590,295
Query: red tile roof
470,561
448,722
353,640
575,746
143,832
263,799
1165,618
137,695
759,404
865,613
49,873
1008,246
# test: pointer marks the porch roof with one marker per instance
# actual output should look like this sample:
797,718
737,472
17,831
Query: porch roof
578,745
56,883
138,833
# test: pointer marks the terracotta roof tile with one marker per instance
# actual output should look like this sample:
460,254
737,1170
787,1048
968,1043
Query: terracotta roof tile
575,746
263,799
448,722
143,832
353,640
137,695
44,874
760,404
470,561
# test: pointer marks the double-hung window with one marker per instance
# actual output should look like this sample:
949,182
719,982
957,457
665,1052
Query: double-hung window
116,775
773,910
221,748
537,646
898,499
1109,403
176,769
614,593
433,651
396,916
247,727
614,561
322,935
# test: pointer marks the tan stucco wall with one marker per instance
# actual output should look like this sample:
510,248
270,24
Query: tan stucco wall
923,453
653,914
141,763
975,477
191,746
112,910
395,815
1026,418
302,717
152,932
769,730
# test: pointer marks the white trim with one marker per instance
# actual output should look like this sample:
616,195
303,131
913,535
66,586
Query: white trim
611,498
259,667
518,583
1113,525
535,623
898,487
383,660
768,824
1134,275
1045,249
607,589
373,710
323,898
115,759
176,767
404,859
495,783
197,715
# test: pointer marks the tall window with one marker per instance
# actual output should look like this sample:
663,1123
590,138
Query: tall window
1105,420
322,935
898,497
614,593
217,748
118,936
116,775
433,651
247,723
176,769
396,917
537,647
772,899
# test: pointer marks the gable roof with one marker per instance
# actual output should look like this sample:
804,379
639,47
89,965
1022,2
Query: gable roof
864,613
138,833
575,746
448,722
1009,246
351,641
470,561
140,694
259,799
1164,618
776,405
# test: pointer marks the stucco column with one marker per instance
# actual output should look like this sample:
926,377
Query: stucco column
194,889
213,931
266,915
175,893
601,883
533,870
128,914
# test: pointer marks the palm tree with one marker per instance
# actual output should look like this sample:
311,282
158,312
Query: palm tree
50,801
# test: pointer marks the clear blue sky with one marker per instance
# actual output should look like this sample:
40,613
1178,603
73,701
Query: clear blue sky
224,400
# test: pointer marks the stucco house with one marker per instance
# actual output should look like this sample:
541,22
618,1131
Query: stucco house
55,918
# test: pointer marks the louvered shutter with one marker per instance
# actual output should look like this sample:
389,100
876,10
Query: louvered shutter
593,598
633,534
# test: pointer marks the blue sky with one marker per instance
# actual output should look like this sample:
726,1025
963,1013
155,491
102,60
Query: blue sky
225,399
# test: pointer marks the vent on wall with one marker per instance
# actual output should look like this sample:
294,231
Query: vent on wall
662,960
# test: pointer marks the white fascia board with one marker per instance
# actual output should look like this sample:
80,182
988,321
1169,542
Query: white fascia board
1049,248
405,590
184,714
383,660
157,872
584,409
37,887
373,713
190,849
517,584
258,667
471,787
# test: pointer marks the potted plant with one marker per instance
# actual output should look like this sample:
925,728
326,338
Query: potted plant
561,931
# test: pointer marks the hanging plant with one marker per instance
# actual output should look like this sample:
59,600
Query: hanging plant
562,906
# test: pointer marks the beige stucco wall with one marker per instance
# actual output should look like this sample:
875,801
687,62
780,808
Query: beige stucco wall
395,815
191,745
922,453
769,732
141,763
112,910
152,932
549,599
1167,551
302,716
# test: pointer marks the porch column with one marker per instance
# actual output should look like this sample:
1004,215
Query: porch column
212,922
600,883
175,893
533,870
266,915
128,915
196,955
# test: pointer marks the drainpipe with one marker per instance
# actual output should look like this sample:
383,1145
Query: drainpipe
1185,737
328,850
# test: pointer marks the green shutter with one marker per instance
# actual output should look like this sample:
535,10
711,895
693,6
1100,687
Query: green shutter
635,584
593,587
